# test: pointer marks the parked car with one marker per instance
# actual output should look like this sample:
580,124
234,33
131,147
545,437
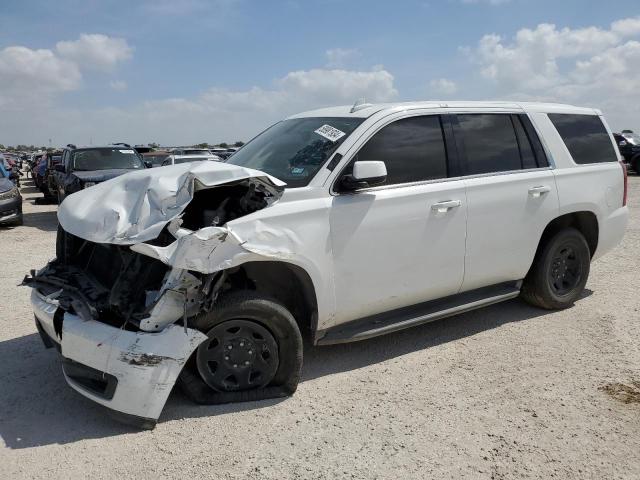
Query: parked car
10,201
155,158
629,146
48,184
190,151
392,215
85,167
174,159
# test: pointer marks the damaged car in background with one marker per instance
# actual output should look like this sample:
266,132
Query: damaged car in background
338,225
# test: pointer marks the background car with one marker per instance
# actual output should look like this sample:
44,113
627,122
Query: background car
10,201
155,158
173,159
629,146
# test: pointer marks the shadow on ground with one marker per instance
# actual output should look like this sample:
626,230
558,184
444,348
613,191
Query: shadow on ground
45,221
38,408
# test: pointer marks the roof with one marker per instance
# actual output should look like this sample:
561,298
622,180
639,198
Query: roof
365,111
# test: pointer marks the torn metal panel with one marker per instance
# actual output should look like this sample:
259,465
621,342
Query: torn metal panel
136,207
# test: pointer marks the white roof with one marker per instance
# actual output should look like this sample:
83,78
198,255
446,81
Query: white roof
367,111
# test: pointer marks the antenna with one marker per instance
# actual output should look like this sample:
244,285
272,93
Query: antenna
360,104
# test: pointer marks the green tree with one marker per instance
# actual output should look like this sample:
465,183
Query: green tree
224,145
238,144
202,145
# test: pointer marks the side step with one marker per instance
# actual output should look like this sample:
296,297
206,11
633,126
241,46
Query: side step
406,317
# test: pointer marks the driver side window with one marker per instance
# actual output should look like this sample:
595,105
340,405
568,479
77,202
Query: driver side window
412,149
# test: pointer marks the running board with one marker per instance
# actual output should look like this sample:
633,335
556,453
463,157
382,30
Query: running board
407,317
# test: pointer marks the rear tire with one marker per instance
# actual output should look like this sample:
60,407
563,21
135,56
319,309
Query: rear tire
559,271
265,360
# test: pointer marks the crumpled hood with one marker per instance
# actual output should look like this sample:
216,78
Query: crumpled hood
100,175
135,207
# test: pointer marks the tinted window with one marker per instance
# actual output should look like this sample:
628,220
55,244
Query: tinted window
106,158
585,137
412,149
526,150
490,143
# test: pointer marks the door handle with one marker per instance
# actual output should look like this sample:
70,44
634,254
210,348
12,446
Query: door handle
444,207
536,192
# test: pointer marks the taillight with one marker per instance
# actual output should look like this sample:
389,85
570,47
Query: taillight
624,175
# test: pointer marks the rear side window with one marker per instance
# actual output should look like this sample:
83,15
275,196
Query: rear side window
585,137
412,148
490,143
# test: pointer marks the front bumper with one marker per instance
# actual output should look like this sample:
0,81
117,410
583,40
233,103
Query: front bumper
131,373
10,209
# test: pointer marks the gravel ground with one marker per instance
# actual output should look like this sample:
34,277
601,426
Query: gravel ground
504,392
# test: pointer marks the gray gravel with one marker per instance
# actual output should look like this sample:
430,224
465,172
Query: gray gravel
504,392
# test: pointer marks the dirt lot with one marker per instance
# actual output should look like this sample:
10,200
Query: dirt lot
504,392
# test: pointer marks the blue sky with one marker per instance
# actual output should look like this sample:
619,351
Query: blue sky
195,70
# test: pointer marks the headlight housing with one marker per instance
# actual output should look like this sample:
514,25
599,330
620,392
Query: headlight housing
13,193
88,184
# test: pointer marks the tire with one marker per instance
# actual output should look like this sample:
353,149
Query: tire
559,272
242,313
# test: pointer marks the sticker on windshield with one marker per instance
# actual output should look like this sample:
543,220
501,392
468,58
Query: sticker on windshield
126,151
330,133
297,171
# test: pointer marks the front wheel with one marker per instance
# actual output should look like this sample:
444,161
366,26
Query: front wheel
559,271
253,351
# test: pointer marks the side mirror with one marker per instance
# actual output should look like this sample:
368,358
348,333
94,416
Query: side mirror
59,168
622,143
365,174
148,164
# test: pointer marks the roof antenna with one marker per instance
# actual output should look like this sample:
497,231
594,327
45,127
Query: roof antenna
360,104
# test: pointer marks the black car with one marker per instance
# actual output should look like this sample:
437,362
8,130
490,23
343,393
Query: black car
629,145
83,167
10,202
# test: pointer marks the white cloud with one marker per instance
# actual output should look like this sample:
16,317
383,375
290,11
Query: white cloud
340,57
215,115
30,77
589,66
118,85
443,86
95,51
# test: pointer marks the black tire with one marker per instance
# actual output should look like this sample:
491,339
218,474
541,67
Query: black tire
244,308
559,271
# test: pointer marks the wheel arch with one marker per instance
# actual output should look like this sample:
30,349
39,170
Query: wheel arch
586,222
286,282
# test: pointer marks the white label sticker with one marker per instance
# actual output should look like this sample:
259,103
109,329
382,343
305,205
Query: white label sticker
330,133
126,151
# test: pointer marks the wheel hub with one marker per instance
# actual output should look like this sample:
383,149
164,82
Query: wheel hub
565,271
238,355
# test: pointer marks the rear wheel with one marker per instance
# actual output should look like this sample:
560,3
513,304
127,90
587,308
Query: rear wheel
253,351
559,272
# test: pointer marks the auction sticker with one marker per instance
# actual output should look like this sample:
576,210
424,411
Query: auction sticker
126,151
330,133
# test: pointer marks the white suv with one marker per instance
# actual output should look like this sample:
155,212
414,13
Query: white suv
391,216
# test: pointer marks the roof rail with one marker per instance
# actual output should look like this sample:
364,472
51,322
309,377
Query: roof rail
360,104
122,143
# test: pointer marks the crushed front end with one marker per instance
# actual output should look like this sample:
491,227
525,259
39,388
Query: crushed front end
118,308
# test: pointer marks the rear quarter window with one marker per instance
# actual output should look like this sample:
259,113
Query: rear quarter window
585,136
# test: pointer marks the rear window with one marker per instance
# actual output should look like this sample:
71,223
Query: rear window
585,137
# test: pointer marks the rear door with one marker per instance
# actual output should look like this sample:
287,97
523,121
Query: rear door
511,195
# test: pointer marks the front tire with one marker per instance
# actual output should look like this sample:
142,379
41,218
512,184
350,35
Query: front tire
559,272
265,358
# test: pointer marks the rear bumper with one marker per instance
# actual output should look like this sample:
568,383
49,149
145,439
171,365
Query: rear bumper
131,373
10,209
611,231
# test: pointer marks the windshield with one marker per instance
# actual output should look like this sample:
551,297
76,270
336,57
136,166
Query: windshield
632,138
294,150
106,158
190,159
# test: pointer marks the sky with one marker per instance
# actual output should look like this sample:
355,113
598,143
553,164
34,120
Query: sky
189,71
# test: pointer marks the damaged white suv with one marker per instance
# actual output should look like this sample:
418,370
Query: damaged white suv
340,224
